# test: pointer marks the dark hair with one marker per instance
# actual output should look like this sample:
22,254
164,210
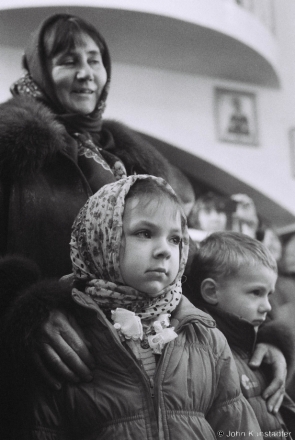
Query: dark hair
222,254
210,201
67,32
149,187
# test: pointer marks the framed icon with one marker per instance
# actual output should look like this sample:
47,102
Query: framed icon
236,117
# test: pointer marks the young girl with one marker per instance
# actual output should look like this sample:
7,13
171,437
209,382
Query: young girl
162,371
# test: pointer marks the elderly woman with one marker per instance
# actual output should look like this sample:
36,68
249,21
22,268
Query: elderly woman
55,151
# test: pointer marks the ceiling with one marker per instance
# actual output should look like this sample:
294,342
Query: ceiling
155,41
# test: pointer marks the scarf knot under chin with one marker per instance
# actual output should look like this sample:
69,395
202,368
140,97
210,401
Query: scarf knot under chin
110,296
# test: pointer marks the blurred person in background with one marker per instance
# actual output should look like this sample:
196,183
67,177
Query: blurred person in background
273,242
283,302
207,215
245,218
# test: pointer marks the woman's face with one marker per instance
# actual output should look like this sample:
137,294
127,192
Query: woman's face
79,77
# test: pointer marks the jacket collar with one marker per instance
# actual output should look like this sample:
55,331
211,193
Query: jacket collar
238,332
186,312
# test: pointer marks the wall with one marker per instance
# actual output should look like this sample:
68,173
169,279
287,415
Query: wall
10,69
180,109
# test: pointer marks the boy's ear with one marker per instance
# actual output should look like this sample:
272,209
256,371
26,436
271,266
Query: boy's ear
209,291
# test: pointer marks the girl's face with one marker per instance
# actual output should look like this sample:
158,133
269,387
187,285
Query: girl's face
150,249
79,77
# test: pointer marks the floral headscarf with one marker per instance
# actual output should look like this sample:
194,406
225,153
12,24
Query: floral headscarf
95,250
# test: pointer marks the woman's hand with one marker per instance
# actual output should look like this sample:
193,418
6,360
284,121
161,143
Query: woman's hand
272,356
62,351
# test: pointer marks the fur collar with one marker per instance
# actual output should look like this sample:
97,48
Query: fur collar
138,155
29,136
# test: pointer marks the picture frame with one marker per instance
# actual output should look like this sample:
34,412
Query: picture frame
292,150
236,117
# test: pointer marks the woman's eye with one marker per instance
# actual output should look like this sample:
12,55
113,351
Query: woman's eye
67,62
94,61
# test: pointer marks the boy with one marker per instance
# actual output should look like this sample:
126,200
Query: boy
233,276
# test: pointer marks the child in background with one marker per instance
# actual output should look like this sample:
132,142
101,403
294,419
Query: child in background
162,370
244,218
233,276
209,214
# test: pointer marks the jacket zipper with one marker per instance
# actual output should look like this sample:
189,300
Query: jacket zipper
148,381
152,387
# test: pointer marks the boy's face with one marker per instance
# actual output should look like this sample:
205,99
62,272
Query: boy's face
150,248
246,293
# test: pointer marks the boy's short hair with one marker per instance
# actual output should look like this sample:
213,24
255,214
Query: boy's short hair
222,254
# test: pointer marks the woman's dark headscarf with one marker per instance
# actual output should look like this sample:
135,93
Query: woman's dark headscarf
56,34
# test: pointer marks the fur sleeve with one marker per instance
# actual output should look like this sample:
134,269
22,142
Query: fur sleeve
27,302
29,136
16,274
30,310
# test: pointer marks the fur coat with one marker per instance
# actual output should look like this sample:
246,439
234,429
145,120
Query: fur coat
42,187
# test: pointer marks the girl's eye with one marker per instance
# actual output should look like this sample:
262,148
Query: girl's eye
176,240
143,234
